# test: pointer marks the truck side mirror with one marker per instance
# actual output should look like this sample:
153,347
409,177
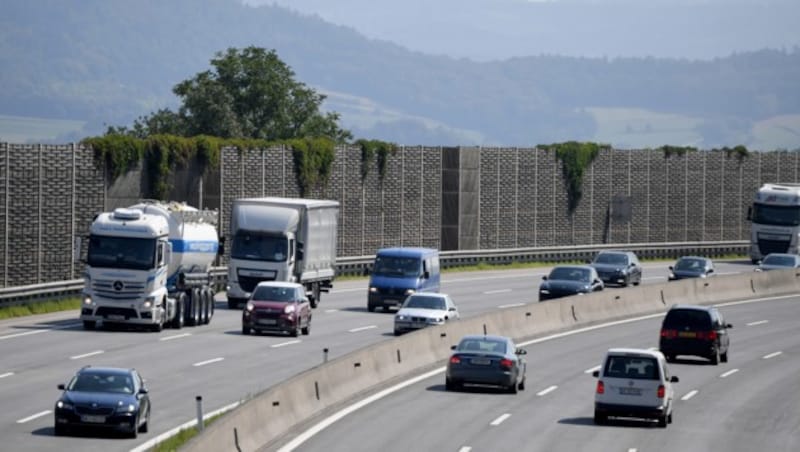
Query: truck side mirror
76,251
168,253
299,251
221,247
366,271
426,275
750,213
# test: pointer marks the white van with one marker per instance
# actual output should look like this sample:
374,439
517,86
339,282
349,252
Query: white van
634,383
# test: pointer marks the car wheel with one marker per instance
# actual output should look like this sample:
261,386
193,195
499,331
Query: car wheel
307,329
627,281
245,330
669,358
89,324
295,331
715,357
600,418
638,281
397,332
724,357
521,385
669,418
448,385
512,389
662,421
146,426
134,433
371,308
232,304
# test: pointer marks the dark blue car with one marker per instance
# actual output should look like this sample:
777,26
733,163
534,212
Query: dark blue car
691,267
486,360
106,398
566,280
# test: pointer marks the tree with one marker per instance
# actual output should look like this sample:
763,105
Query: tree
249,93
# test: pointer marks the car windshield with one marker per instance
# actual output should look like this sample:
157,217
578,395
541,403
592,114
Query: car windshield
482,345
102,382
274,293
687,320
423,302
611,258
121,252
255,246
397,266
783,261
571,274
635,368
690,264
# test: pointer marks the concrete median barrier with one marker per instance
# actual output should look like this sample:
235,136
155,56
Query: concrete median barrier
269,416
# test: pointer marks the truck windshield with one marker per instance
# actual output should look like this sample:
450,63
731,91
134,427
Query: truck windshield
397,266
259,247
122,252
776,215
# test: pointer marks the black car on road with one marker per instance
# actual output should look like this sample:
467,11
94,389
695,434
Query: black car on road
618,267
105,398
486,360
695,331
691,267
566,280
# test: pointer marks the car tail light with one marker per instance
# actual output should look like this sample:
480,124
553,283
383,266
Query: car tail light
506,363
708,335
455,360
601,388
661,391
669,334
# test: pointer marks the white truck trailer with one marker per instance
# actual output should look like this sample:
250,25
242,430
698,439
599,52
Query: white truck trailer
775,217
149,265
282,239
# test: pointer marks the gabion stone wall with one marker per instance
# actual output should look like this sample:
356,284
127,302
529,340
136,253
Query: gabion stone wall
453,198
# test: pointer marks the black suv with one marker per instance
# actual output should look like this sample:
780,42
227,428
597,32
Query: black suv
104,397
618,267
695,331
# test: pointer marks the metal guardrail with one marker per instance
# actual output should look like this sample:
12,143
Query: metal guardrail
357,265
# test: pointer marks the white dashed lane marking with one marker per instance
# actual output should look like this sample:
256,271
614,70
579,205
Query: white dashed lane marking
177,336
363,328
34,416
689,395
729,373
86,355
209,361
760,322
491,292
500,419
512,305
547,391
772,355
284,344
588,371
7,374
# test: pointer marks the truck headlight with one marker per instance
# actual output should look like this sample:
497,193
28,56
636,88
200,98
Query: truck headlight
148,302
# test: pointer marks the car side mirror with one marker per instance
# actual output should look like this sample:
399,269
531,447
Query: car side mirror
670,268
366,271
426,275
142,390
674,379
596,374
452,347
521,351
61,386
452,309
728,325
544,278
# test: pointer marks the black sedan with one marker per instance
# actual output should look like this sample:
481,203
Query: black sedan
104,397
566,280
691,267
779,261
486,360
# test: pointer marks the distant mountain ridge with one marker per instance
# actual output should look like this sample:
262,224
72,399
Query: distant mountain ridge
107,62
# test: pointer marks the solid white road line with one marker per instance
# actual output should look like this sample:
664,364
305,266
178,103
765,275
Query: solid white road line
547,391
512,305
491,292
588,371
689,395
729,373
760,322
149,444
500,419
283,344
363,328
86,355
177,336
772,355
34,416
209,361
7,374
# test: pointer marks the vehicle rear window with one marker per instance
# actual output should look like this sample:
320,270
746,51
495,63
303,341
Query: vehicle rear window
687,319
633,367
482,346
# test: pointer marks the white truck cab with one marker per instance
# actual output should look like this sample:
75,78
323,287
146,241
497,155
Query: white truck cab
775,218
634,383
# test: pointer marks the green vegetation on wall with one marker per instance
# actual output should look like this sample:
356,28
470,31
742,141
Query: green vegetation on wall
575,158
740,152
680,151
161,154
372,150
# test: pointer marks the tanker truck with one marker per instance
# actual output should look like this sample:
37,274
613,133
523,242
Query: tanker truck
148,265
282,239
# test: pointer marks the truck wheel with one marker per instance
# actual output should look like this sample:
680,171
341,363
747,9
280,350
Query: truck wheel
245,330
213,303
193,311
232,304
180,306
89,324
158,326
204,307
315,295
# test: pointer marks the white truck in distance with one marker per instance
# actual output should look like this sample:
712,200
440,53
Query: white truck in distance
282,239
775,217
149,265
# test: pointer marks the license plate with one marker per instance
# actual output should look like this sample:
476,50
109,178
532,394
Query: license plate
93,419
418,325
687,334
116,317
480,361
267,321
630,391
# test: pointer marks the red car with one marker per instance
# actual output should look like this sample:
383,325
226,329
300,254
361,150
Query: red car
279,307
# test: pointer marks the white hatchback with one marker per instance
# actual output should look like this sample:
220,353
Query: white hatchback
634,383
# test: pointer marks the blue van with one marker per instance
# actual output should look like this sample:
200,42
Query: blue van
399,272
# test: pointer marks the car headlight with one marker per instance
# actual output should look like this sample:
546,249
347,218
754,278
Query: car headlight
123,408
703,275
87,300
410,291
250,306
373,290
289,309
544,291
400,317
672,276
62,405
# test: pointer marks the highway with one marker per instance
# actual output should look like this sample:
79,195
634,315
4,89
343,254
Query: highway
218,363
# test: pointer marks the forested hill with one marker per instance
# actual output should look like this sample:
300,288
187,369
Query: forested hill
109,61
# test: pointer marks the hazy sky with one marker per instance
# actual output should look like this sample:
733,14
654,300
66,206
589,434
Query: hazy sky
501,29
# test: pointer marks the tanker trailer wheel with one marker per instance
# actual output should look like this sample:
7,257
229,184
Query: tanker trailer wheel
180,309
211,294
207,300
193,311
